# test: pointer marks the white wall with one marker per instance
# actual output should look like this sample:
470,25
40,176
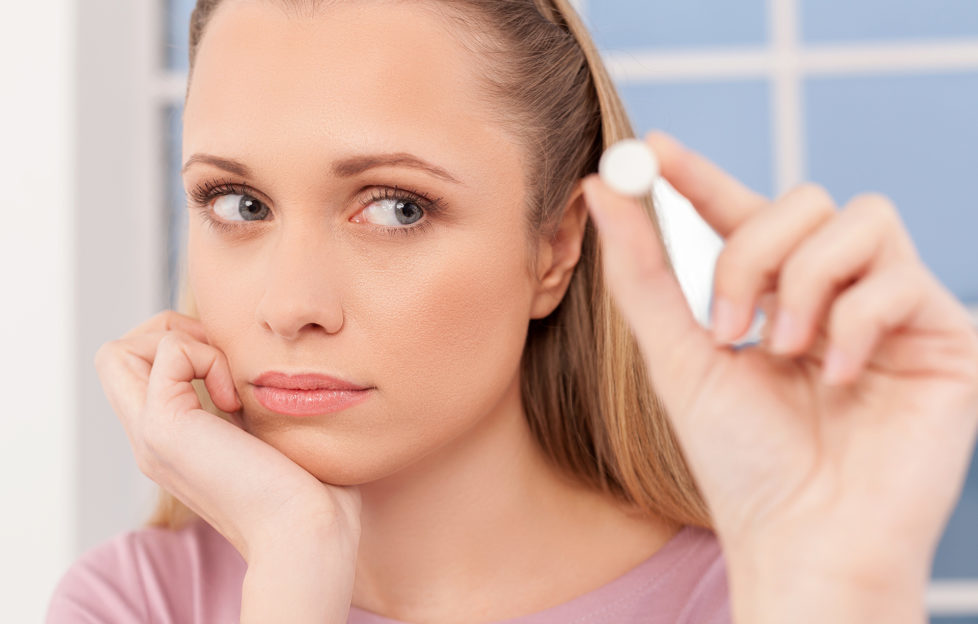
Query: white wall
37,361
81,256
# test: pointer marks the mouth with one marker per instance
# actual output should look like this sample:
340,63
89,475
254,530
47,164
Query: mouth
307,394
305,381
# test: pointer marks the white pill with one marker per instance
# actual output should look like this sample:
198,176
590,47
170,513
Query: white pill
629,167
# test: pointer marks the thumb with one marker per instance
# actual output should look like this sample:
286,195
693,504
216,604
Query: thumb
635,265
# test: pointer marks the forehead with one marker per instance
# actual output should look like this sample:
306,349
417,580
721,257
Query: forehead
385,73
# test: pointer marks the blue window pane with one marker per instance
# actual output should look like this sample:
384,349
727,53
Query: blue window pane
913,138
176,215
177,33
957,552
625,24
848,20
728,122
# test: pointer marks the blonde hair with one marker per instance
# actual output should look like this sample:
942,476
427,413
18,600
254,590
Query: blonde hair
585,389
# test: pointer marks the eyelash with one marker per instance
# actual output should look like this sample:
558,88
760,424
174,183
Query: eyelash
206,192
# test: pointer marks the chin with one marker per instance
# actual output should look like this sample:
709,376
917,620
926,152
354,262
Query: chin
334,458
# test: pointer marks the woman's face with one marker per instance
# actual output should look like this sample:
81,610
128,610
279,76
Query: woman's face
318,269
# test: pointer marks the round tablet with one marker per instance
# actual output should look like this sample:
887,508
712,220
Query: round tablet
629,167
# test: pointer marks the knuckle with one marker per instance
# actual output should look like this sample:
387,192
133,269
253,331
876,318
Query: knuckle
815,194
100,354
166,318
170,318
876,205
106,352
178,336
181,336
170,341
181,341
800,269
912,273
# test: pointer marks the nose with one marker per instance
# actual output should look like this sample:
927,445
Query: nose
302,289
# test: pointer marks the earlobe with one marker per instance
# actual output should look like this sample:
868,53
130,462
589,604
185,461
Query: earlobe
557,256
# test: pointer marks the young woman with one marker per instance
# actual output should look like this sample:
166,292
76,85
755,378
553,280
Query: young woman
449,376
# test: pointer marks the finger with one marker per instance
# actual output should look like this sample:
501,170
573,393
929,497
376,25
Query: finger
142,349
124,385
864,313
168,320
645,288
722,201
124,366
767,303
751,259
177,362
864,236
144,346
815,351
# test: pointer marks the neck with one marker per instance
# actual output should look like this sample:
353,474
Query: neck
485,528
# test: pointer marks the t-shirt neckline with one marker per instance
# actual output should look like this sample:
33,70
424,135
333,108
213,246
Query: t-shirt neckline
641,578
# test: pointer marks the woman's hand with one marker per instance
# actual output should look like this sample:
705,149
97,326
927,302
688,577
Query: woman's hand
838,458
270,508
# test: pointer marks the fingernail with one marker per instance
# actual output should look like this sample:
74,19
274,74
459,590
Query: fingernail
785,332
834,366
725,317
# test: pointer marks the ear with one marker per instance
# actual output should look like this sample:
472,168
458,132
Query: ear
557,256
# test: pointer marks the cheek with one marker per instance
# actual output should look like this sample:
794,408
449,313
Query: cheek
443,346
219,292
438,328
454,324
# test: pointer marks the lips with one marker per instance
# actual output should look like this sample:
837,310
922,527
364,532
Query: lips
306,381
307,394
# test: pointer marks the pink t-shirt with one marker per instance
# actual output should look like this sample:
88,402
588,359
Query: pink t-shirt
193,576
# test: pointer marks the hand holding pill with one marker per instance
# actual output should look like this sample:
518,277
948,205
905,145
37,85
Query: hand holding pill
860,408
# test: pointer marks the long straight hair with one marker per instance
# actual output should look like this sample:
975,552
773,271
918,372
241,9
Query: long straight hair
585,388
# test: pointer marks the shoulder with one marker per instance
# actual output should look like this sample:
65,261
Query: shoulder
683,582
152,574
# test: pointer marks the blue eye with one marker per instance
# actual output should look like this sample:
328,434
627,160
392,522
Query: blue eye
238,207
225,205
399,211
394,212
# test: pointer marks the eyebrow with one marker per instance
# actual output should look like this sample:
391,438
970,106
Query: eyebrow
348,167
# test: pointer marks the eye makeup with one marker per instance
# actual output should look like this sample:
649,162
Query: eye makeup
203,195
